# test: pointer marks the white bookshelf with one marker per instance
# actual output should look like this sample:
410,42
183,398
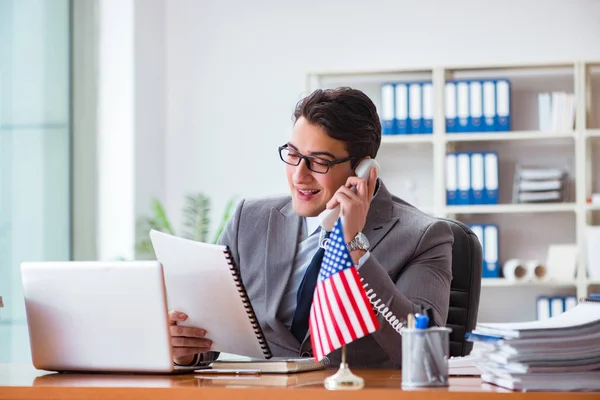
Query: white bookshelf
406,139
593,133
507,136
511,208
498,283
413,166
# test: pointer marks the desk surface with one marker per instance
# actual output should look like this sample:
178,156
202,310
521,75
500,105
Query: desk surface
25,382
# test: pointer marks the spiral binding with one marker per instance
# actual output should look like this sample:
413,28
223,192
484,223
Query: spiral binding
382,309
237,279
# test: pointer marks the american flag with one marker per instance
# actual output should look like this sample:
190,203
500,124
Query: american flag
340,312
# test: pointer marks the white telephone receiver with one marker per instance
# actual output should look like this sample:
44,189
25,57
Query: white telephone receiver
362,170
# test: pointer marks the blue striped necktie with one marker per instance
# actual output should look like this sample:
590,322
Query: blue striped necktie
305,295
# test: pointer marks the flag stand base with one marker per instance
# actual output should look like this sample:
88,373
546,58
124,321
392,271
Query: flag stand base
344,379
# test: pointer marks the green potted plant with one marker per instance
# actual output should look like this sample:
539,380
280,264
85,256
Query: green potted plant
196,223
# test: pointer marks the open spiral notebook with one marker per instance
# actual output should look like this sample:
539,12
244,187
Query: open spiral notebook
203,281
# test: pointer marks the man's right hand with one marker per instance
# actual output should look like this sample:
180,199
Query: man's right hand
186,341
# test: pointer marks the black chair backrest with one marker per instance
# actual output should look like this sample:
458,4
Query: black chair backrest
465,287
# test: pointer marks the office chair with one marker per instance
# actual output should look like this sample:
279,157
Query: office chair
465,287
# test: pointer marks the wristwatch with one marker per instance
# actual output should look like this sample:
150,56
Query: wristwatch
360,242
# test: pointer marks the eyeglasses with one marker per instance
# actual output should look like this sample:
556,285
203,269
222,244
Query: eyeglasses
314,163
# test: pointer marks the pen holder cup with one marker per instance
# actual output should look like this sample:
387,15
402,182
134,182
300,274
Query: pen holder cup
425,355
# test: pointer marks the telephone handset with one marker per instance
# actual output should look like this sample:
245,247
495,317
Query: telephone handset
328,219
362,170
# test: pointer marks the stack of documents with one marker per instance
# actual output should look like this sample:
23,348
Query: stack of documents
560,353
536,185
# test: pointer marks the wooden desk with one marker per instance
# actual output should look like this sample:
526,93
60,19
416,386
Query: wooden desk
25,382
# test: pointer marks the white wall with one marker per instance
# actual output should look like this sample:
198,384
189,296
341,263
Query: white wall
235,69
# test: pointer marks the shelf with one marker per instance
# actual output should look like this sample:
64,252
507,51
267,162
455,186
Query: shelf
592,133
400,139
501,282
593,207
512,135
511,208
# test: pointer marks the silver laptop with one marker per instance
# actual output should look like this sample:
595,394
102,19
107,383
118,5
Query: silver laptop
98,317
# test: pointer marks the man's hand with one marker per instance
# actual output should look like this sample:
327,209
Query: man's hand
355,206
186,341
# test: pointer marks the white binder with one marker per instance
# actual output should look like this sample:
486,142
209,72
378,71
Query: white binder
401,114
491,178
489,106
415,107
451,184
462,98
503,105
557,306
477,181
450,105
427,122
475,106
463,161
387,109
543,308
570,302
490,252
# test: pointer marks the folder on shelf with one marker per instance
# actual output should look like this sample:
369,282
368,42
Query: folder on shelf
475,106
477,179
570,302
491,178
478,231
463,162
557,306
450,105
427,121
451,175
489,106
415,107
542,308
462,109
503,105
387,109
401,108
490,252
544,112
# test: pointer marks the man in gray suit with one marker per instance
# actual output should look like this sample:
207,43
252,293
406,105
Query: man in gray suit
403,254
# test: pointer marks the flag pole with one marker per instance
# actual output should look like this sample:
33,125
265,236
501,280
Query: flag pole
344,379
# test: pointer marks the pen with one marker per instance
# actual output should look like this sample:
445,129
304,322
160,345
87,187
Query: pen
429,358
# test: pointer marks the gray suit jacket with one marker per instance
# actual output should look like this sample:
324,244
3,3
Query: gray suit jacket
409,267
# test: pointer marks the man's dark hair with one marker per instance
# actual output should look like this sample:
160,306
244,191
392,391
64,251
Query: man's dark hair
345,114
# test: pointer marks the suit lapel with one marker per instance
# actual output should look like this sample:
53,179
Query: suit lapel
282,240
379,219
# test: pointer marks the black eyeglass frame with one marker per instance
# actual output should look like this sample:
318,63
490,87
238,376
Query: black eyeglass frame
308,159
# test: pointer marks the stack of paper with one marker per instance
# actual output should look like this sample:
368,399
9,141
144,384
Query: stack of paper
539,184
560,353
556,111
